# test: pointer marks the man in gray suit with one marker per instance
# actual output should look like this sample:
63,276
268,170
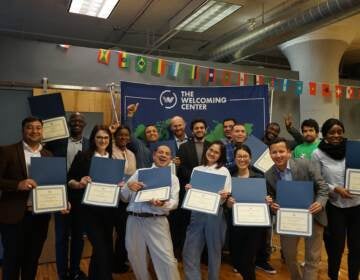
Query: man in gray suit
285,168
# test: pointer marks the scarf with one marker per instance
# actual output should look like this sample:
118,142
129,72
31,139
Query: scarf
336,152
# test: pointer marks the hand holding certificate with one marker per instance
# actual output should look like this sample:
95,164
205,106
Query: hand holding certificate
204,194
105,174
50,175
156,184
352,179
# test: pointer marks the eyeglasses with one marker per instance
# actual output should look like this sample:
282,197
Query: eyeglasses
242,157
102,137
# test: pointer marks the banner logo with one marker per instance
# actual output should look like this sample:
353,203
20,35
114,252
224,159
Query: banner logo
168,99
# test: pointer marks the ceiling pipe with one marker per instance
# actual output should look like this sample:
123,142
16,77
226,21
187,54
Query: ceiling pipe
280,31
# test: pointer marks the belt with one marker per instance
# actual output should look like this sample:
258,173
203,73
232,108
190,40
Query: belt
145,215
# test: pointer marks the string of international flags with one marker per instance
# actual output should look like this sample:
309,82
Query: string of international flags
160,67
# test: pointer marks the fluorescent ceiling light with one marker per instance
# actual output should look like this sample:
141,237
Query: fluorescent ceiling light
208,15
94,8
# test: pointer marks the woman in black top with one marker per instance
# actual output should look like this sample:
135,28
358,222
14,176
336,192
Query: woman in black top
97,221
244,240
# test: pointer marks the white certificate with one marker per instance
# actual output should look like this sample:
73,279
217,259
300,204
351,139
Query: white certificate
55,128
353,180
100,194
202,201
294,222
251,214
50,198
264,162
162,193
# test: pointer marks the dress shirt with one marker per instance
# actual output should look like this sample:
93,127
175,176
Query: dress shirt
128,195
179,142
73,147
333,171
286,174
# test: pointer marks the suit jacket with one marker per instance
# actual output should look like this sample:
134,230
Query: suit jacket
303,170
12,171
188,160
59,147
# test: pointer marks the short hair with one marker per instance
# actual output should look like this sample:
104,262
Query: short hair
274,124
193,122
222,159
310,123
239,124
150,124
30,119
229,119
329,123
242,147
280,140
121,127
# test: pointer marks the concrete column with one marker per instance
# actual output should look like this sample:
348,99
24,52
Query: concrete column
317,57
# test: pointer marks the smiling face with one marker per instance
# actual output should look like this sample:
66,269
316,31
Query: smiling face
309,133
32,133
177,127
335,135
280,154
272,131
151,133
228,125
242,159
76,124
162,156
122,138
102,140
199,130
213,154
238,134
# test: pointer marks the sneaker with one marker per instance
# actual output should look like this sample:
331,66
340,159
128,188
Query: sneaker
266,267
79,276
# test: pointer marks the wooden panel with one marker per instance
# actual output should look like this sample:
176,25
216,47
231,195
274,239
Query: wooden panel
86,101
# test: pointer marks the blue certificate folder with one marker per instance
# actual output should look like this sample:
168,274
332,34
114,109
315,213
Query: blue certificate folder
295,194
249,190
106,170
256,146
352,154
48,170
47,106
170,143
206,181
155,177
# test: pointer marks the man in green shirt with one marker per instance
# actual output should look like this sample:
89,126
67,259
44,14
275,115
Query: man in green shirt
310,131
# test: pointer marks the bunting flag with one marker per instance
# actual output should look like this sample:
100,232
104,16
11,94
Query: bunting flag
299,87
349,92
174,69
338,91
226,78
259,80
159,66
325,90
242,79
312,88
141,64
124,60
284,85
104,56
194,72
210,75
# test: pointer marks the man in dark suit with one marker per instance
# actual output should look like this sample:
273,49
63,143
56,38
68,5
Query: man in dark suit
190,155
23,234
288,169
70,225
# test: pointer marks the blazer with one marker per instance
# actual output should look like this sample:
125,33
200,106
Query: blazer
12,171
302,170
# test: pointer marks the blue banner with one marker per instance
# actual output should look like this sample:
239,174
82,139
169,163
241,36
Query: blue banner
157,104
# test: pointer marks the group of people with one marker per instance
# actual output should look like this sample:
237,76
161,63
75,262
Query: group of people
162,230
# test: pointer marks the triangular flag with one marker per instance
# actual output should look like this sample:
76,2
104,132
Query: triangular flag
124,60
242,79
210,75
226,78
312,88
174,68
299,87
259,80
284,85
338,91
194,72
325,90
141,64
158,67
104,56
349,92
